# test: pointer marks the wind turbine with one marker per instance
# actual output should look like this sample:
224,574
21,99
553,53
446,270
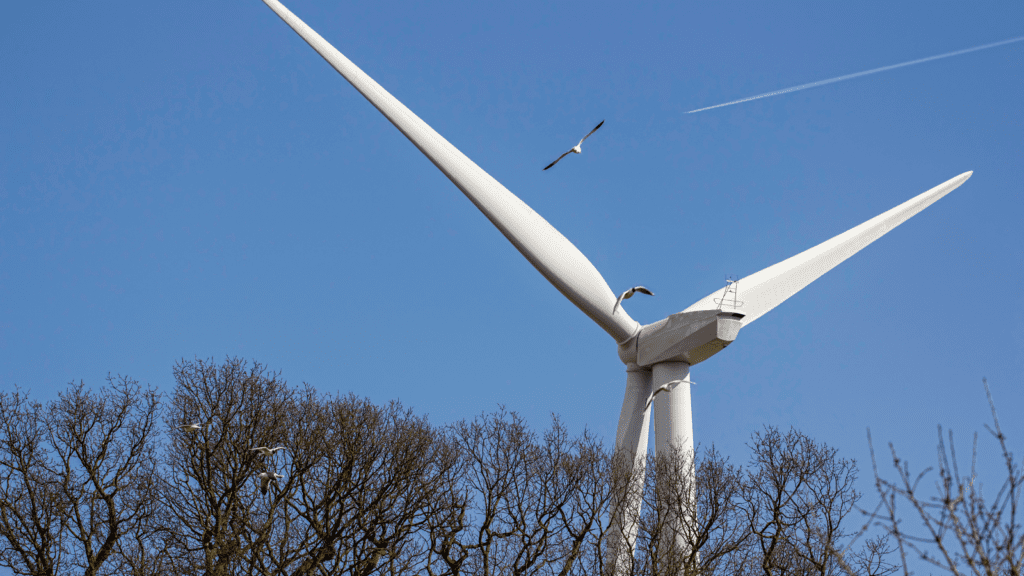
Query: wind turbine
657,356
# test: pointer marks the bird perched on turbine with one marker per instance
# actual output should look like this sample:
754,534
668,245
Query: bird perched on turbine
265,451
266,478
576,148
629,294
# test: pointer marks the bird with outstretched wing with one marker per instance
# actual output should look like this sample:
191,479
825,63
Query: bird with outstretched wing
575,149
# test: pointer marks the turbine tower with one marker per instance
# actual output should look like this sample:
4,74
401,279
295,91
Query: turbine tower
657,356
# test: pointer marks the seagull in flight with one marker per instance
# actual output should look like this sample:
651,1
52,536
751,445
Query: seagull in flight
266,478
194,427
575,148
265,451
629,294
666,387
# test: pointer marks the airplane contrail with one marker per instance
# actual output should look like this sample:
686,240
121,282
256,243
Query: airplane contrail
856,74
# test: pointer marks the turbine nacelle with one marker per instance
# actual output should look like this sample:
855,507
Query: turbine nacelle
690,337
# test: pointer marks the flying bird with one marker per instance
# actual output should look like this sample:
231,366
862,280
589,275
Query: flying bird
194,427
575,148
629,294
265,479
667,386
265,451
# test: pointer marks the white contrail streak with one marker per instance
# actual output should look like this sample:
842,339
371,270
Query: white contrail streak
856,74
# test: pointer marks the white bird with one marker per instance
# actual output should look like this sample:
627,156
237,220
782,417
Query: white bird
665,388
266,477
267,451
196,427
575,148
629,294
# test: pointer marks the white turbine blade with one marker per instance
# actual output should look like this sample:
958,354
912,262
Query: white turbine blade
549,252
764,290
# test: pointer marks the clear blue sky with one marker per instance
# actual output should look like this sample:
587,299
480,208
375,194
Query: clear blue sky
191,179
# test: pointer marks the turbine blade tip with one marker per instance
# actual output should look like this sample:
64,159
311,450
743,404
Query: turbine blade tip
958,180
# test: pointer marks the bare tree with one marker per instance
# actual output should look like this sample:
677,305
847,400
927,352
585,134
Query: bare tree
961,530
32,510
357,485
218,521
526,505
376,475
77,478
692,526
783,514
797,494
352,488
582,521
